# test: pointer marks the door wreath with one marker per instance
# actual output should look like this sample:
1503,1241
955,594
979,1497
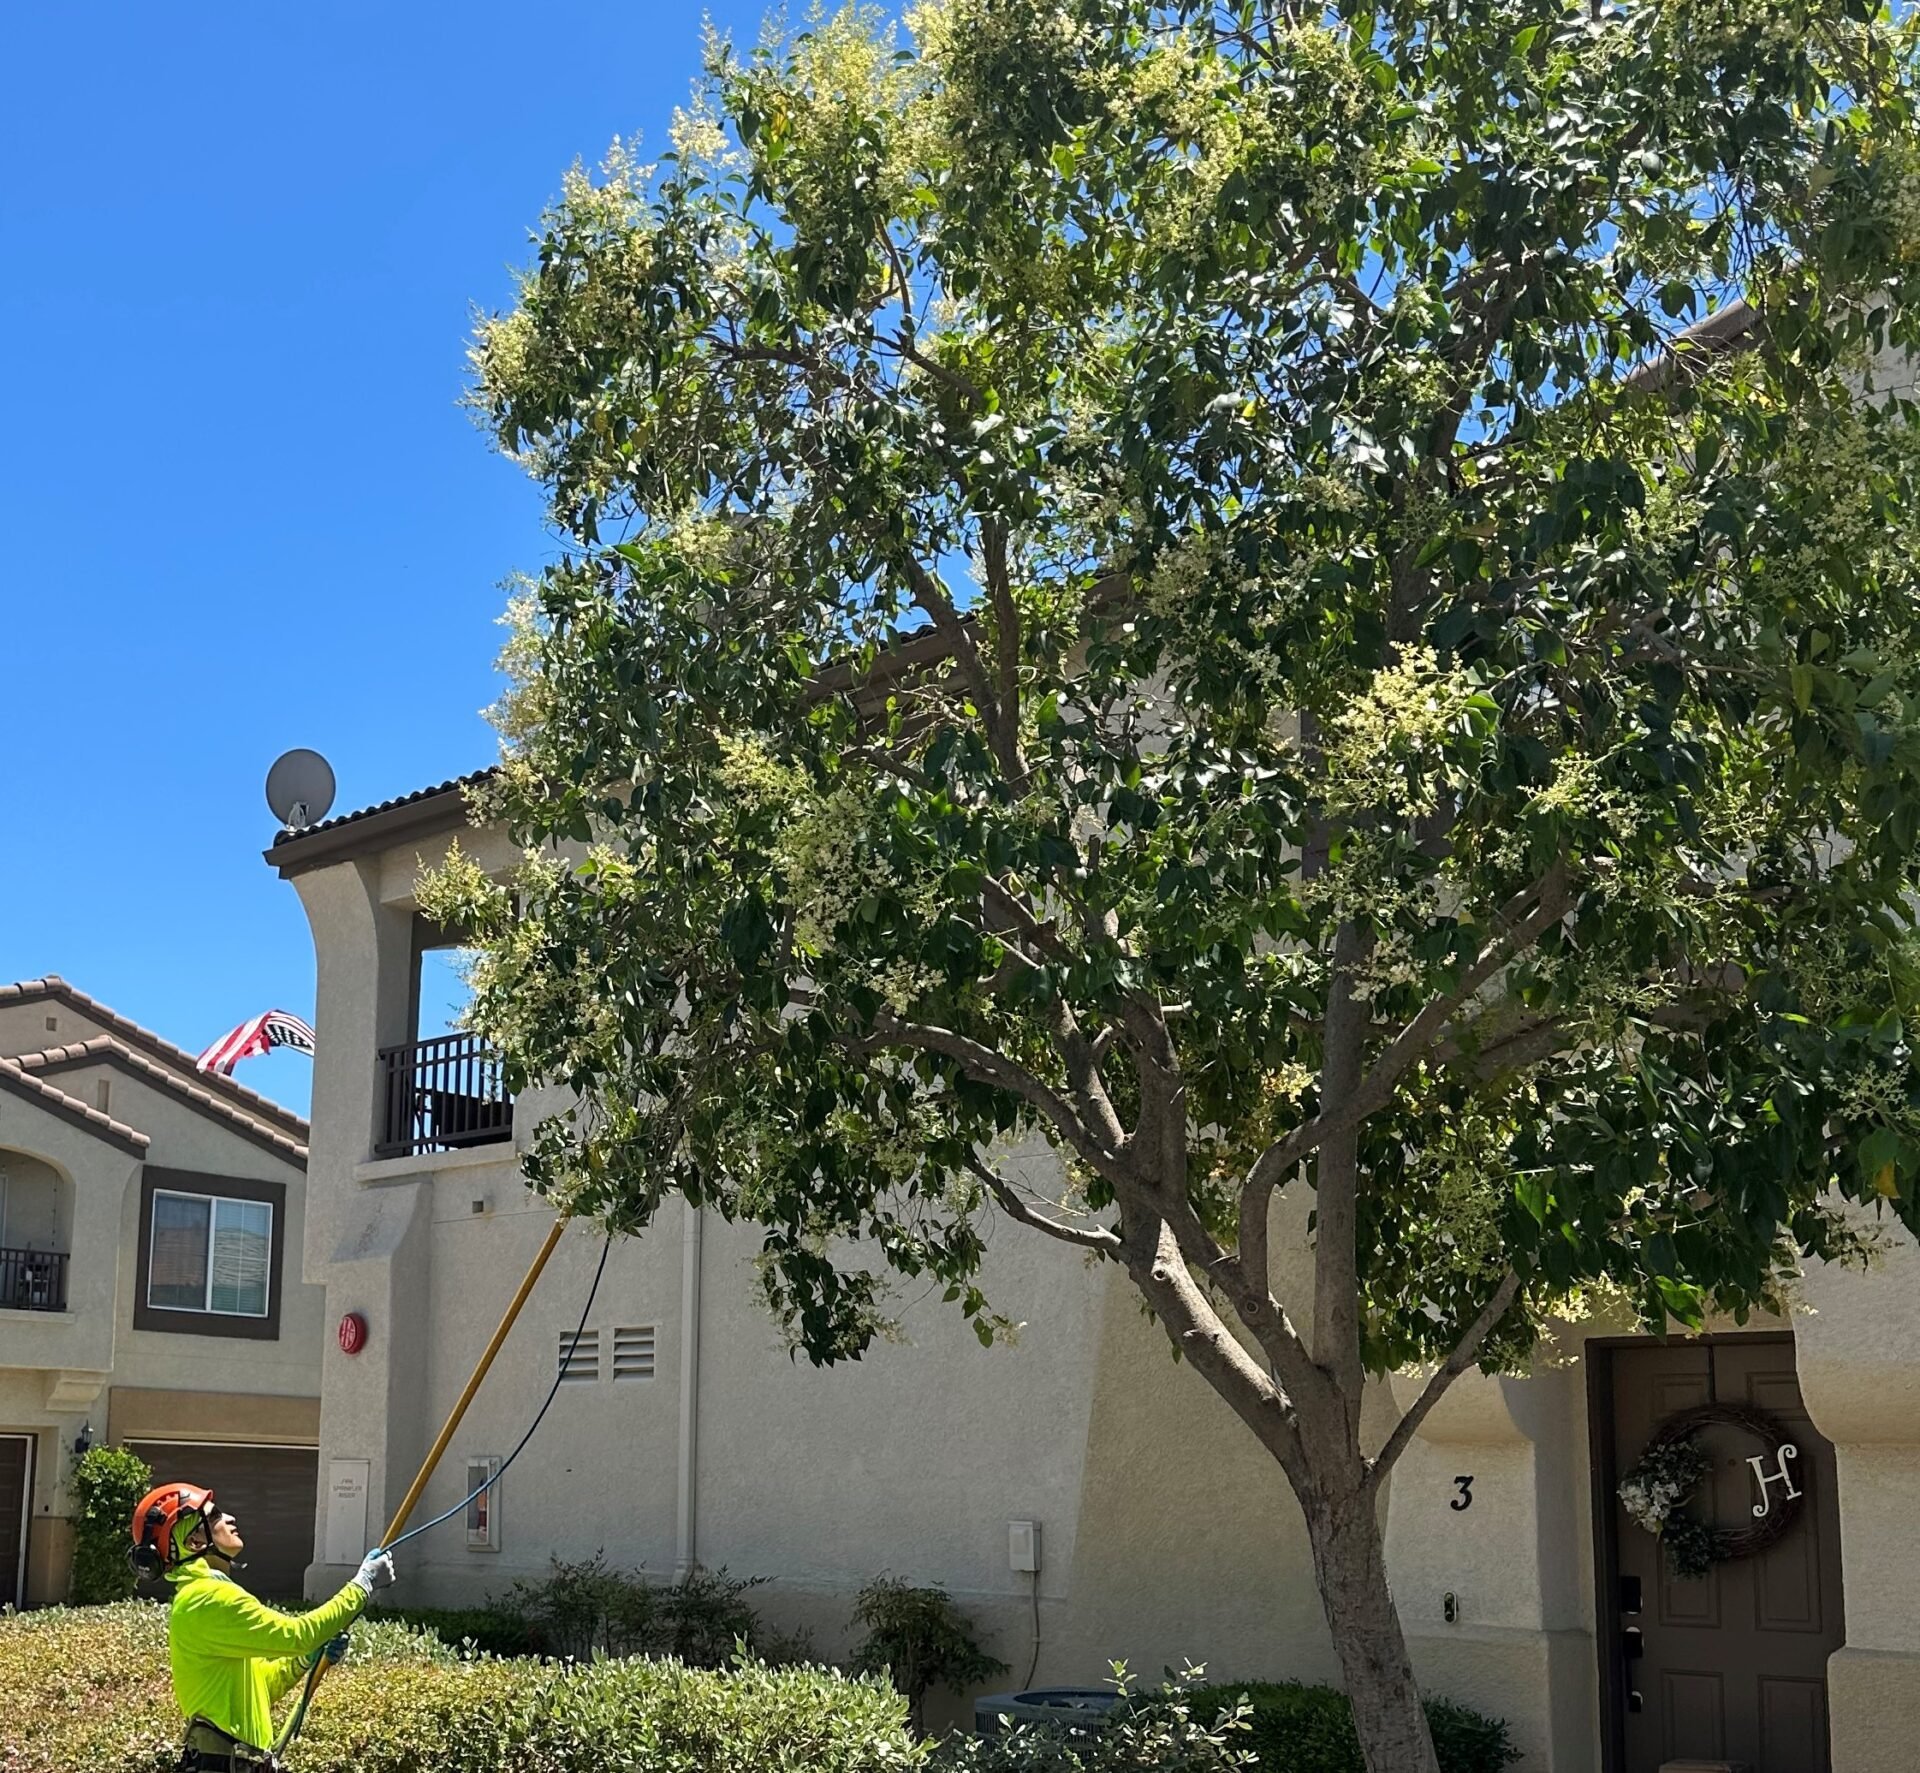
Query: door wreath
1657,1491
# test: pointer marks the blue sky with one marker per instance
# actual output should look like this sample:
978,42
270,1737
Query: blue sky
243,509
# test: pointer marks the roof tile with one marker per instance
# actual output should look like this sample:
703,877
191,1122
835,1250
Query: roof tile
471,779
16,1077
158,1046
109,1047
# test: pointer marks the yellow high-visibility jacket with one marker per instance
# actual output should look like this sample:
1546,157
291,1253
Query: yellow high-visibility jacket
233,1656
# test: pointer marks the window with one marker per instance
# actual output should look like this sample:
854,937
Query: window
211,1258
633,1353
483,1511
579,1356
210,1254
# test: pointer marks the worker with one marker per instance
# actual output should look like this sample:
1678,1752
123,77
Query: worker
232,1655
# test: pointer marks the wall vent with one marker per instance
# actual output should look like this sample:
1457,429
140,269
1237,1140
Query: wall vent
633,1353
579,1356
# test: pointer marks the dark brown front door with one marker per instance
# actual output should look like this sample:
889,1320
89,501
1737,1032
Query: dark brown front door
16,1483
1731,1666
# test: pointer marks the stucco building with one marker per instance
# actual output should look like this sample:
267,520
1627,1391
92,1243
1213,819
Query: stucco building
150,1253
685,1433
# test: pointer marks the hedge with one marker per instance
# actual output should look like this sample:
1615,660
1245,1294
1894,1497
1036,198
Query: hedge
1300,1729
494,1631
91,1689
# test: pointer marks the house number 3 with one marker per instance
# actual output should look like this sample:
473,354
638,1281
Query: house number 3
1465,1499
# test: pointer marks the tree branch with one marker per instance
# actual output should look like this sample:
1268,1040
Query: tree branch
903,342
1154,1260
1336,1280
1518,932
1006,651
1093,1237
986,1066
932,599
1252,1300
1465,1352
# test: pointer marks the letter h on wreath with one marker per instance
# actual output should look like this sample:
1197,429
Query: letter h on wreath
1781,1475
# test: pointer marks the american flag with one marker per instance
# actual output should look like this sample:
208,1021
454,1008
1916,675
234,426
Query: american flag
261,1035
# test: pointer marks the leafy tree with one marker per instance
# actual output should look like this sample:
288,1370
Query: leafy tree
106,1483
1170,579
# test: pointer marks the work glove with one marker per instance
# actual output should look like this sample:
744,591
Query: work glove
376,1571
333,1651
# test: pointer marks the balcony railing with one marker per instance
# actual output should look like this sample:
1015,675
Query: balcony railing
443,1094
33,1280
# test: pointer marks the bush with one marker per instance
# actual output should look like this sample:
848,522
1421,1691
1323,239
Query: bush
91,1689
1172,1731
918,1638
1301,1729
107,1482
588,1608
492,1630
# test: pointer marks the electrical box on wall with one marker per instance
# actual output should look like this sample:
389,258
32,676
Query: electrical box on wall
1023,1545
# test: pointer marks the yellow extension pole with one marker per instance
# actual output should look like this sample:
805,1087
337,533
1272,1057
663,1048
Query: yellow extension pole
407,1502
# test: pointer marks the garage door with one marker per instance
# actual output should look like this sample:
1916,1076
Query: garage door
16,1481
270,1491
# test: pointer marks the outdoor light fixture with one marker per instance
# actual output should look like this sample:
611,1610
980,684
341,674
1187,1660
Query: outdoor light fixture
83,1440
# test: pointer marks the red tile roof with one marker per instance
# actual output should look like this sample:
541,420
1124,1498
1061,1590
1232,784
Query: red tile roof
21,1082
108,1048
173,1058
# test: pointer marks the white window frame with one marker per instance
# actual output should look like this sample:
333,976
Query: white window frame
209,1309
483,1469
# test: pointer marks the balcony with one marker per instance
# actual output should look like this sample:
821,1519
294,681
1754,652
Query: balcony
33,1280
444,1094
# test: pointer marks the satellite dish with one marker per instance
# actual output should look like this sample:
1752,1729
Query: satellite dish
300,789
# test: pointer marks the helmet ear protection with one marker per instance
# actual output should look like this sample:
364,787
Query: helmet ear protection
146,1557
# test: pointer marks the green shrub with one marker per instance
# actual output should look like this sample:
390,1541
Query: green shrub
588,1608
106,1483
918,1638
1168,1733
1301,1729
493,1630
91,1689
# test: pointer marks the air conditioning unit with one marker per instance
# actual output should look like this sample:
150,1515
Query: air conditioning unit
1073,1711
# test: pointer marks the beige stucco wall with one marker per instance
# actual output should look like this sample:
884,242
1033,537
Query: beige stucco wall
1859,1357
23,1026
1517,1561
184,1139
97,1176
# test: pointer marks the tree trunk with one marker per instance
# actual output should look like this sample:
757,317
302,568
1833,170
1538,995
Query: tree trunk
1349,1559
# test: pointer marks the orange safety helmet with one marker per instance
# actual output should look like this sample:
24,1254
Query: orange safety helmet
156,1523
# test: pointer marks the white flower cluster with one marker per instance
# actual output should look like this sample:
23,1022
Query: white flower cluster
1661,1483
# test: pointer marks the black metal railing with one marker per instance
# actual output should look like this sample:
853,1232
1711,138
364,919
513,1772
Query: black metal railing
33,1280
443,1094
